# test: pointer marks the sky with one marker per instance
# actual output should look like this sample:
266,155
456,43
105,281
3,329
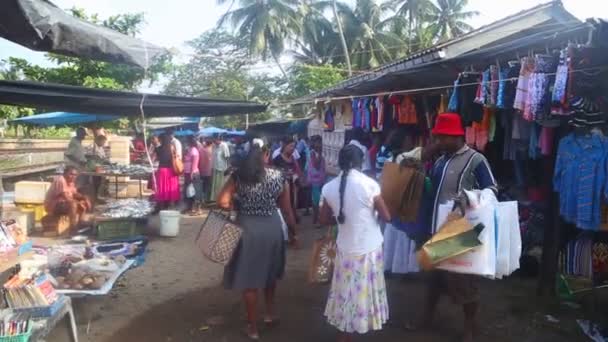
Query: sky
171,23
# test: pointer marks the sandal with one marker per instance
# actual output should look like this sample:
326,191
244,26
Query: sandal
252,335
271,322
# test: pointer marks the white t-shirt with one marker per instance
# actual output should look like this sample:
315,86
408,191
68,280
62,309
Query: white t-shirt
221,154
178,147
295,154
367,163
360,234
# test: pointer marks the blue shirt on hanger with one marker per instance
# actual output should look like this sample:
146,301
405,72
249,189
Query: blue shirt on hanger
580,178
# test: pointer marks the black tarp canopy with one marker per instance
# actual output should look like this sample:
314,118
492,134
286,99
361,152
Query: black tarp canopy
42,26
99,101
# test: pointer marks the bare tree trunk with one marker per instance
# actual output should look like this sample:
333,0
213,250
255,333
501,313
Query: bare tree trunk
276,60
342,38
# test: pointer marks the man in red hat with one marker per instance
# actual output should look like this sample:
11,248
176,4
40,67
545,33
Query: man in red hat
458,168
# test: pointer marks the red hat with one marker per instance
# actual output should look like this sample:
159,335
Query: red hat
448,124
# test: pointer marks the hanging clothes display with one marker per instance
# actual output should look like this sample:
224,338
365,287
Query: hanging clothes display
408,114
538,101
580,177
389,114
521,94
559,97
493,87
477,135
379,124
329,123
453,104
507,85
577,258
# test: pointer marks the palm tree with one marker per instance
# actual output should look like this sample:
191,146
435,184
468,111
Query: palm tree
414,11
267,25
334,6
371,45
448,18
317,42
337,8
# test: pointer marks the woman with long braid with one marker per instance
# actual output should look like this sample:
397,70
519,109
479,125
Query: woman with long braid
357,300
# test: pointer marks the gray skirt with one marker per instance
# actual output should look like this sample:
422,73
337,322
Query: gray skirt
259,260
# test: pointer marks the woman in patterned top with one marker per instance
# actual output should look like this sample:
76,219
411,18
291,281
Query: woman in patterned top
289,165
259,261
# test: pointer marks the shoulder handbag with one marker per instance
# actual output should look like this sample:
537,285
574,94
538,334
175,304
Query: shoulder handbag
178,165
219,237
323,255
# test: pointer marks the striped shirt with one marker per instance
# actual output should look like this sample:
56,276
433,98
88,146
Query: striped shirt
467,169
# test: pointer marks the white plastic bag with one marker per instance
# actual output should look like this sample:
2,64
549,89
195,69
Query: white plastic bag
443,210
283,226
503,239
482,260
190,191
508,215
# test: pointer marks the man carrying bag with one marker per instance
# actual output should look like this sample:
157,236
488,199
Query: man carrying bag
458,168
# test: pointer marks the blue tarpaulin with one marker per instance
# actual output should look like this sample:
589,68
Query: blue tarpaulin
236,133
209,131
62,118
184,133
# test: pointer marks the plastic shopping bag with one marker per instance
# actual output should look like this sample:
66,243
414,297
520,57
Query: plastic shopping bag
443,210
283,226
508,219
503,241
482,260
190,191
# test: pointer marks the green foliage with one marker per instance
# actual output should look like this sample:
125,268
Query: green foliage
307,79
220,69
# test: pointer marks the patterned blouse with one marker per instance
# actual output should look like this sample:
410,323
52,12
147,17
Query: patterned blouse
260,199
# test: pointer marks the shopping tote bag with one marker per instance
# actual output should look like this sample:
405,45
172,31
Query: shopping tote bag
481,260
321,267
508,220
503,242
219,237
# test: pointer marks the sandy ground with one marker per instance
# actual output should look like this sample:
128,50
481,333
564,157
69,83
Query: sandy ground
175,296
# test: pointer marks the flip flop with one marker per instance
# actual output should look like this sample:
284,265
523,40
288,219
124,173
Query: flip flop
250,335
272,322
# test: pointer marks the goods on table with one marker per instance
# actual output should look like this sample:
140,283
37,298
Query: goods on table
15,329
11,236
24,292
128,208
80,268
132,170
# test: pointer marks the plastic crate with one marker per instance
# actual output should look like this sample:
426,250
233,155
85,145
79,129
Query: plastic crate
112,229
31,192
43,311
19,338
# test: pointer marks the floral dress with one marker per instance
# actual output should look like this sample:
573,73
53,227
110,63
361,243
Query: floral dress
357,300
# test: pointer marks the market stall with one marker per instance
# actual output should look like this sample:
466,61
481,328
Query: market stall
38,281
522,85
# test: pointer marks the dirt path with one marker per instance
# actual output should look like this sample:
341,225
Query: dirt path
176,292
